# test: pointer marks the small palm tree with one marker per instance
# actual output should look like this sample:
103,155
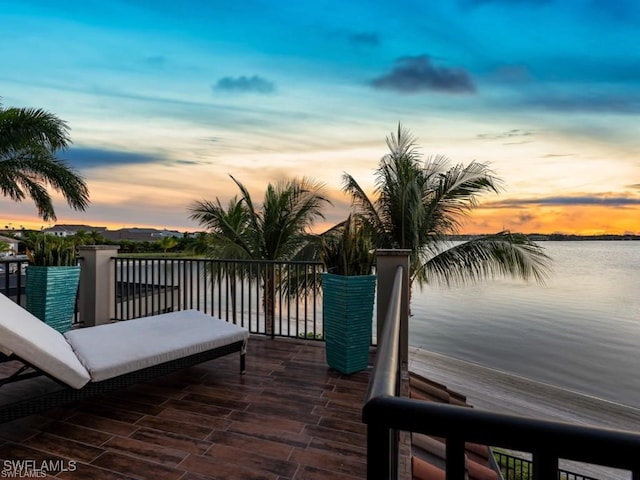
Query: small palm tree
29,140
167,243
81,237
95,237
275,230
419,205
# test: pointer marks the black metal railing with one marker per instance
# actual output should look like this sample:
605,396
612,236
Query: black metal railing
386,413
518,468
12,279
266,297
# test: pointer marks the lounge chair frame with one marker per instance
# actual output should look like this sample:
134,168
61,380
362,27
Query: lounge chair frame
43,402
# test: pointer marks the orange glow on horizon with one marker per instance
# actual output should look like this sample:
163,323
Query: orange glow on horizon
568,219
573,220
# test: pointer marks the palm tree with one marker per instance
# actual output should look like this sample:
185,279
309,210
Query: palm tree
81,237
29,140
419,204
95,237
277,230
166,243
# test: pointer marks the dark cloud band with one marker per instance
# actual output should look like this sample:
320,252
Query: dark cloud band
607,201
94,157
412,75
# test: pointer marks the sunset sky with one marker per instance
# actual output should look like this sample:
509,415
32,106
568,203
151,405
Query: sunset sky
165,100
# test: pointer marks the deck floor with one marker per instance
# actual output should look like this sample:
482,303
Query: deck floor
288,417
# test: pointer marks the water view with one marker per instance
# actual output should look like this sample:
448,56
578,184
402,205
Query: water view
581,331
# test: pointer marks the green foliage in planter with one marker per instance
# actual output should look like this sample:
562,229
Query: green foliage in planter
348,249
47,250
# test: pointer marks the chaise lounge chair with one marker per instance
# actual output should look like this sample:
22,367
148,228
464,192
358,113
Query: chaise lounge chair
88,361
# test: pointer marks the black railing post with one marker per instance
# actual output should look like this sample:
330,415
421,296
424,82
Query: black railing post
545,466
379,457
455,459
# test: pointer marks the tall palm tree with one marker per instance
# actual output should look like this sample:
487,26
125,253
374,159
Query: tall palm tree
29,140
419,204
275,230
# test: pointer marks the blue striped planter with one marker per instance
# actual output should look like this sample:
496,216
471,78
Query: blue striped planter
347,307
51,294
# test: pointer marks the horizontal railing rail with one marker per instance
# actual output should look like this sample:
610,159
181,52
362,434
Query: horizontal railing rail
386,413
266,297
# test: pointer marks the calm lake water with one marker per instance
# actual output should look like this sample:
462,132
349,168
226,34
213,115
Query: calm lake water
580,331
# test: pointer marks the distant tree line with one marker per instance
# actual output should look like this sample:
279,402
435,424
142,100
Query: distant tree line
188,243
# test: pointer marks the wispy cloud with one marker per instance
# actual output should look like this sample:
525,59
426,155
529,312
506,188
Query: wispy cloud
81,157
412,75
619,11
244,84
508,3
156,61
512,73
525,218
587,103
510,134
367,39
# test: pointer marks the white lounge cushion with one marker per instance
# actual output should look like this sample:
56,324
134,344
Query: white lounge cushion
38,344
114,349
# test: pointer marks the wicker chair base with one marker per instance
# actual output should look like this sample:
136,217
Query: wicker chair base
41,403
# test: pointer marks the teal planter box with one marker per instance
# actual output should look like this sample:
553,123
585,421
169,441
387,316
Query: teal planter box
51,294
347,306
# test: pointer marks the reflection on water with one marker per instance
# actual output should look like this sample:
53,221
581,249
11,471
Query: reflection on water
580,331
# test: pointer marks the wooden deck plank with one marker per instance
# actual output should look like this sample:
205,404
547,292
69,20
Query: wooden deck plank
289,417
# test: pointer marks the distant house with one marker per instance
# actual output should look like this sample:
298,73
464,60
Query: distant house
13,245
69,230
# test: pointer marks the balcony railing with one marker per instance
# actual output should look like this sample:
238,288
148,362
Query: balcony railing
386,413
12,282
517,468
235,291
266,297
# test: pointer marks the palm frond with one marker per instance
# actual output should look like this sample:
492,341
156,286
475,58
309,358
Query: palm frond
29,140
23,127
419,204
501,255
449,196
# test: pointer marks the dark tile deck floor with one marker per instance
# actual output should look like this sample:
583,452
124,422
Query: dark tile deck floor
288,417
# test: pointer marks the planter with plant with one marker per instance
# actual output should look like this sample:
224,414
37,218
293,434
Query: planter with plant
52,279
348,293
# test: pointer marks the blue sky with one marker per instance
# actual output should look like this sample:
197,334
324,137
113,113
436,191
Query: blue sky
165,100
